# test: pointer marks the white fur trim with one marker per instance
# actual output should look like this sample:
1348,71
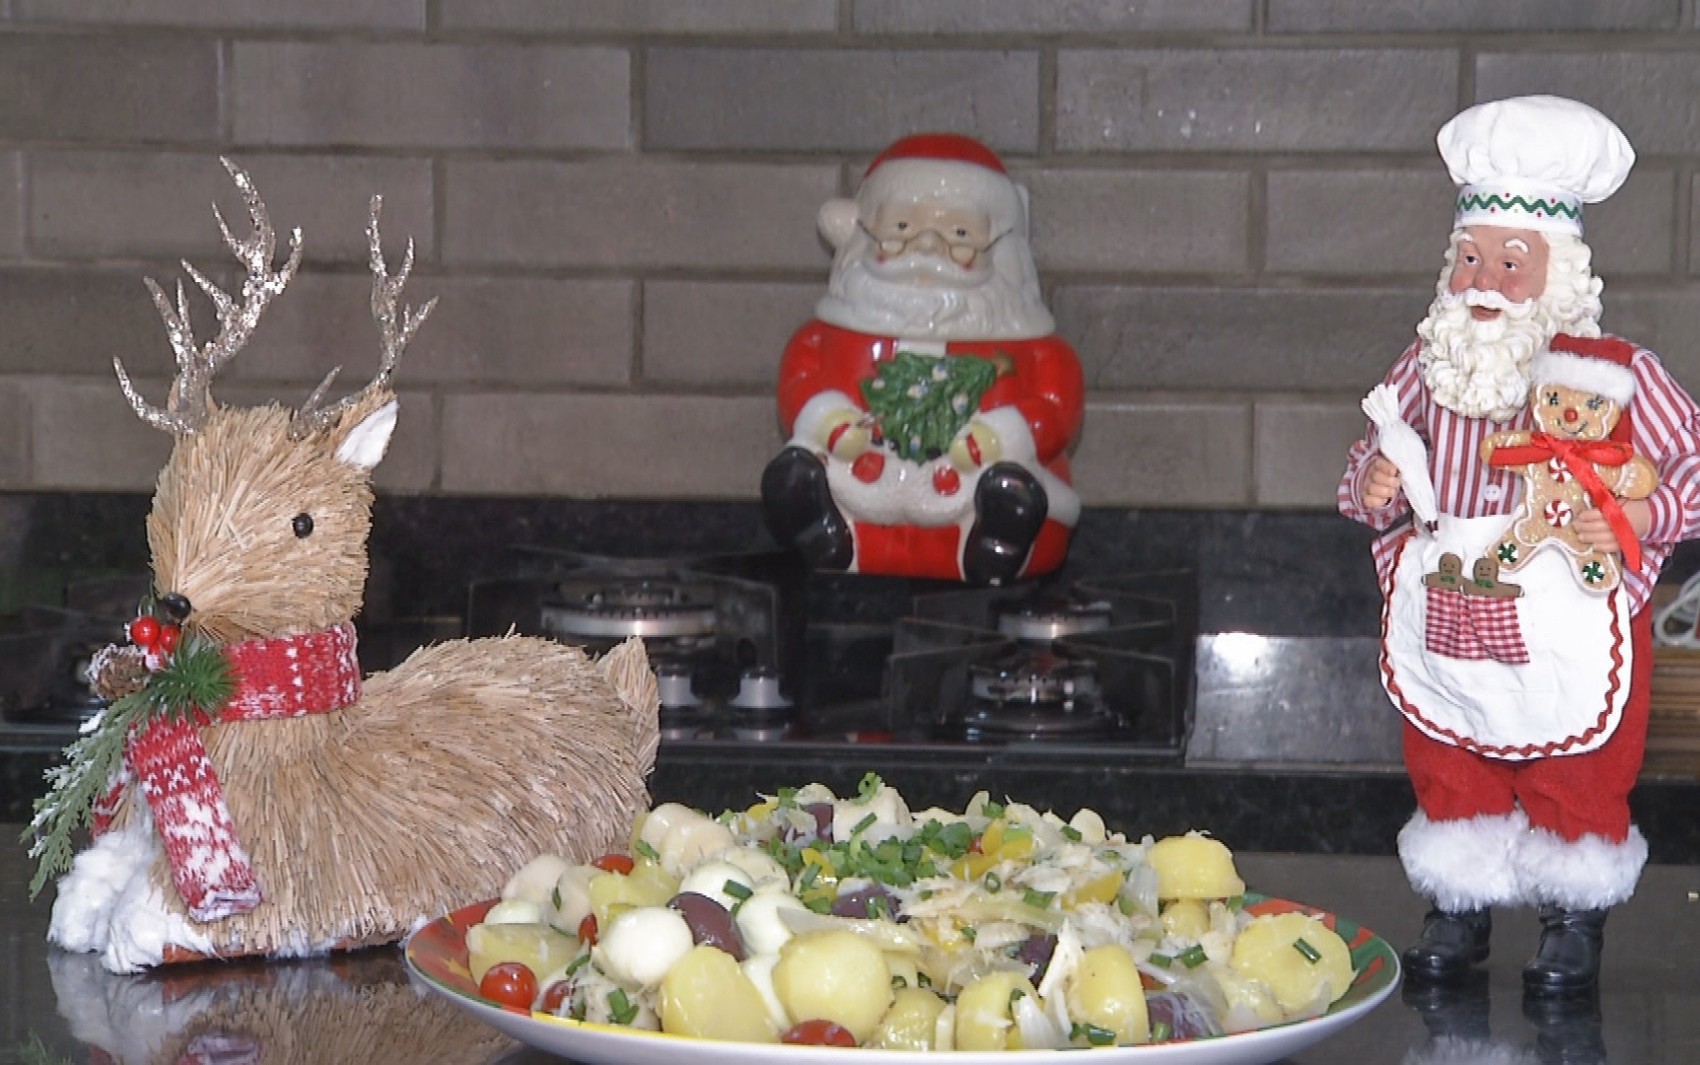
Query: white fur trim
1590,873
920,180
1467,864
1599,376
809,428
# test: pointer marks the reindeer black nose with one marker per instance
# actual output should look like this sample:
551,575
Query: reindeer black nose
176,607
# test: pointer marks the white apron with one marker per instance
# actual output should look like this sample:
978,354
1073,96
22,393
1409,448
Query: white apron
1542,674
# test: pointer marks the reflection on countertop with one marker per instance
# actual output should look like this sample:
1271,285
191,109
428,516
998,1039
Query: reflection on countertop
361,1008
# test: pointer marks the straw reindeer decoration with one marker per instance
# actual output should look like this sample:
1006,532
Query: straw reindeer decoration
250,793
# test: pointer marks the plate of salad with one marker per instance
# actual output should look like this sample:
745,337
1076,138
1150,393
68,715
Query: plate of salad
811,924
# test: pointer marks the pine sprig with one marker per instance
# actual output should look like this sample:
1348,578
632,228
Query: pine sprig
923,401
197,677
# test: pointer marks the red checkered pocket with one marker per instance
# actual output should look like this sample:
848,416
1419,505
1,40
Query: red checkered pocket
1473,627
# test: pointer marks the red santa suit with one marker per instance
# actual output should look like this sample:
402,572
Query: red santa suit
910,516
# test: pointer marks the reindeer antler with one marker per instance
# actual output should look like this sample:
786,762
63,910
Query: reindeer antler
394,334
190,400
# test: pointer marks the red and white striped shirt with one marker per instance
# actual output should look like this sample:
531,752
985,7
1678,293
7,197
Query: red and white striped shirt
1664,426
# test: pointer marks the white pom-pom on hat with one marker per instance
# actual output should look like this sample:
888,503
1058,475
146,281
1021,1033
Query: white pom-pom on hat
1531,162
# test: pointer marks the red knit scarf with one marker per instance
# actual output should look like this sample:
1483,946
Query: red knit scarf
288,676
1580,457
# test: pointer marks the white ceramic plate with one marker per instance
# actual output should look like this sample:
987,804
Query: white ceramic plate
436,956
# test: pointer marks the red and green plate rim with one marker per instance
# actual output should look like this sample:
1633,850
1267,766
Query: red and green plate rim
437,952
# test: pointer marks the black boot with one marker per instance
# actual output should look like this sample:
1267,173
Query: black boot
1455,1012
797,502
1567,962
1009,507
1450,944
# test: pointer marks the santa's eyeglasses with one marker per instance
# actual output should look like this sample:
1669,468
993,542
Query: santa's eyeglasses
962,244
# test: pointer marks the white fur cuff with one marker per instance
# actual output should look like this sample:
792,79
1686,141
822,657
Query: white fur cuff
1587,874
1467,864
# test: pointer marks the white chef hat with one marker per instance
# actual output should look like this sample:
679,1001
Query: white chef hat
1533,161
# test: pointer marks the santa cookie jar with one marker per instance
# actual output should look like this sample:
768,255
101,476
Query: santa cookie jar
928,405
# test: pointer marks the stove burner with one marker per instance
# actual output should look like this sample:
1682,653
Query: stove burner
646,607
1035,694
1041,619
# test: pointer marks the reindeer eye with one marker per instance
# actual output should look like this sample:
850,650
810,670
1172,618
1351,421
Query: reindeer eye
302,523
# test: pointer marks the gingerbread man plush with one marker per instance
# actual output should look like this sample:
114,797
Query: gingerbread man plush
1572,461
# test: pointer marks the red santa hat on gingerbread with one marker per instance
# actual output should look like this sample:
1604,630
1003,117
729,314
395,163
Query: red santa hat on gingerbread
1598,365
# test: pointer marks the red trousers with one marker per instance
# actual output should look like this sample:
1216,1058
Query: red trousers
1570,795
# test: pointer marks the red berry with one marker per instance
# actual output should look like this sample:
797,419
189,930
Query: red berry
821,1033
587,930
613,863
511,983
144,631
555,996
168,637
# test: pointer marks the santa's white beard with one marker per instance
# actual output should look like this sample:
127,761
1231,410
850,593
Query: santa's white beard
929,298
1479,369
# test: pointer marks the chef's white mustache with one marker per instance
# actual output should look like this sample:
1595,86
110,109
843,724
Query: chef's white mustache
1475,297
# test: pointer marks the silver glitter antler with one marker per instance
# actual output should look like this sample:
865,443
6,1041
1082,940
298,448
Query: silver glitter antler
395,329
190,400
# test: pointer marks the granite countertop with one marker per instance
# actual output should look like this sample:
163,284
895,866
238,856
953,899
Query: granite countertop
361,1008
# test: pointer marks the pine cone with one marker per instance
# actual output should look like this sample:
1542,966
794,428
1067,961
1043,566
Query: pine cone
118,670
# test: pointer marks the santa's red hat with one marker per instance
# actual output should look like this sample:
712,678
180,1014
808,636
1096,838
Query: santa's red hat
945,166
1600,365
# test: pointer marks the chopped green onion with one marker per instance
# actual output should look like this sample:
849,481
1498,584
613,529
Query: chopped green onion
787,798
1162,960
1160,1031
645,850
968,932
621,1010
878,908
810,871
1236,903
1016,994
923,980
1110,857
992,881
737,890
555,897
898,983
1311,954
1098,1037
1193,956
870,786
1039,900
863,825
993,810
818,903
1017,832
578,963
1070,833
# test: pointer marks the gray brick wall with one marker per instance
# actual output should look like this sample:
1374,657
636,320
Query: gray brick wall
1238,212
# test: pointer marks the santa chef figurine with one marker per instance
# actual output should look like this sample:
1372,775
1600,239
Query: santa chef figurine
1526,711
928,405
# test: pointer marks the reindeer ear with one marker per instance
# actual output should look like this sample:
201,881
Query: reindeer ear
369,438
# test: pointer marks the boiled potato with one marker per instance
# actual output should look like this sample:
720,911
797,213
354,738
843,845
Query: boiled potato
834,976
1194,867
705,994
912,1021
1268,950
1186,919
613,893
984,1020
540,948
1107,993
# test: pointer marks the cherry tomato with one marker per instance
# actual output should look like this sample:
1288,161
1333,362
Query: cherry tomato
587,930
821,1033
614,863
144,631
168,637
555,995
511,983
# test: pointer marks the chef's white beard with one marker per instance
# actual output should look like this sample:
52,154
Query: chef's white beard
939,300
1479,369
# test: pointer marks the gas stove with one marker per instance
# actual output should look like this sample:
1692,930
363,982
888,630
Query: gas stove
753,649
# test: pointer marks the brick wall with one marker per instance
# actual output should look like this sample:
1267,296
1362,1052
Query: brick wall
1237,208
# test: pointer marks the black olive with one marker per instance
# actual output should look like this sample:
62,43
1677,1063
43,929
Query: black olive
302,523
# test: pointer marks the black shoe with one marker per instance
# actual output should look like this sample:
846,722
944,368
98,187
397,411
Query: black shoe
1009,507
1450,944
797,502
1568,1031
1567,962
